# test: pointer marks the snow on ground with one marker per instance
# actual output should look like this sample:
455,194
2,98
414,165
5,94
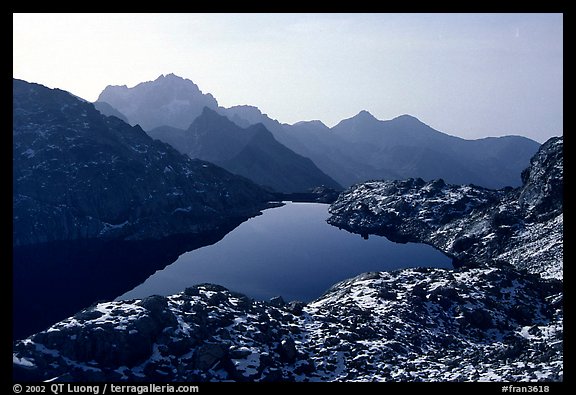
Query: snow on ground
420,324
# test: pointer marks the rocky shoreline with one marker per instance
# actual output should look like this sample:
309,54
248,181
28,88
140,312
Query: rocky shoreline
409,325
473,225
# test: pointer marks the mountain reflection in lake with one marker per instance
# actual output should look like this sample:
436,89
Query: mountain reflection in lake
53,281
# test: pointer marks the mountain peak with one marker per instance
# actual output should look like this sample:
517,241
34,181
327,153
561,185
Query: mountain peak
406,119
406,116
245,115
173,80
211,119
169,100
314,122
172,75
364,115
246,107
210,113
357,122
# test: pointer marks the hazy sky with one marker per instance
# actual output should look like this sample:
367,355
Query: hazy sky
469,75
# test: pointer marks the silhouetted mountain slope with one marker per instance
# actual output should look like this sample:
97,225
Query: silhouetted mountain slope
78,174
108,110
252,152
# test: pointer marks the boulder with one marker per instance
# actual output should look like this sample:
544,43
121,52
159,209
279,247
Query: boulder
208,355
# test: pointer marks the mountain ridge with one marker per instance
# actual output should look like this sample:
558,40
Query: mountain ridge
363,147
252,152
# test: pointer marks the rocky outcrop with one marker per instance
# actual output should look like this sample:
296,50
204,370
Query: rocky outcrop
490,324
474,225
78,174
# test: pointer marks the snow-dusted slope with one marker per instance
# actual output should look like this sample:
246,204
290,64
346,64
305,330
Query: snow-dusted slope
523,227
470,324
78,174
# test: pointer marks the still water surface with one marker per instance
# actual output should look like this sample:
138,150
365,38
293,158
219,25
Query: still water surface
289,251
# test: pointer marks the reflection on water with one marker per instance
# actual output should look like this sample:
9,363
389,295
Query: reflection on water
55,280
289,251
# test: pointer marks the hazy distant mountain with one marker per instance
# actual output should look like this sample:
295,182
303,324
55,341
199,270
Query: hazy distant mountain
357,149
252,152
410,148
332,154
245,116
165,109
363,148
168,100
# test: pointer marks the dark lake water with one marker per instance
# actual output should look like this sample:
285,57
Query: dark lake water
289,251
55,280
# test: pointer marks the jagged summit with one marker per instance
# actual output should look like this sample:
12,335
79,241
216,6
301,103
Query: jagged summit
248,113
169,100
172,76
178,82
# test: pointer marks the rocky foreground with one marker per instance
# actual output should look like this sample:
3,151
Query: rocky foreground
409,325
498,316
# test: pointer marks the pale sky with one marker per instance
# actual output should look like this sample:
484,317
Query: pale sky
469,75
